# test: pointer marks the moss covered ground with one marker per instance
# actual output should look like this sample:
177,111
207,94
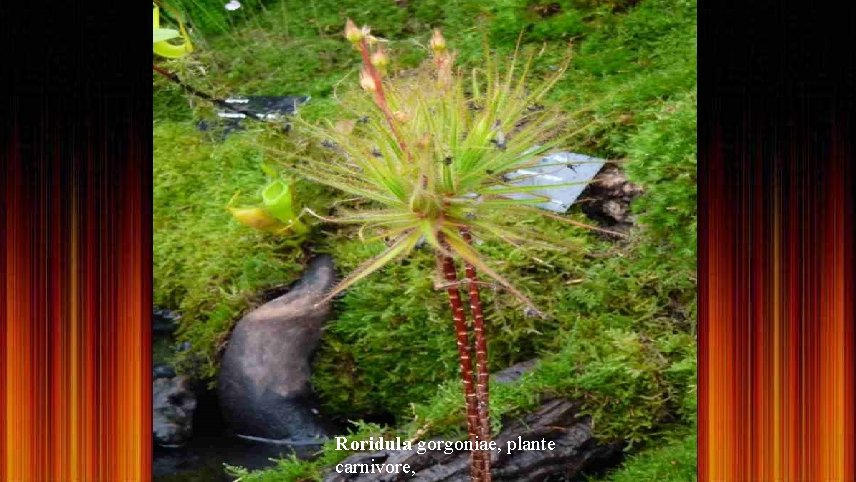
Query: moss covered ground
620,334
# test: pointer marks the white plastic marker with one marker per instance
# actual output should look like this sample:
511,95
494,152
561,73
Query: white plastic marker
570,171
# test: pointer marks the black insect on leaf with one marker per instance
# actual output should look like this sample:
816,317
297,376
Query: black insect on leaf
499,138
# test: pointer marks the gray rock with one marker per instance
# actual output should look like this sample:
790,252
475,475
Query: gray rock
163,371
173,403
263,387
164,322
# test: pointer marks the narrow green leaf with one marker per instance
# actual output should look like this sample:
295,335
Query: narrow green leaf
401,247
465,251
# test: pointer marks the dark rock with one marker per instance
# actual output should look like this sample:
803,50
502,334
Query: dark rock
163,371
203,458
607,199
514,372
264,388
576,451
164,321
173,403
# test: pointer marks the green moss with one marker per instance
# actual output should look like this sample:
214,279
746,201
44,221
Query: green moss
207,265
664,163
672,460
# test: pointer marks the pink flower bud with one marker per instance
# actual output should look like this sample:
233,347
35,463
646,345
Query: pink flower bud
352,32
438,43
367,82
380,59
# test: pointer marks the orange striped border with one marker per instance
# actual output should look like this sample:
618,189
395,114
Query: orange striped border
75,288
777,206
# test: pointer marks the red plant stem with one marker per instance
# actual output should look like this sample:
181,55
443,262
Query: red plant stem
380,97
482,369
465,361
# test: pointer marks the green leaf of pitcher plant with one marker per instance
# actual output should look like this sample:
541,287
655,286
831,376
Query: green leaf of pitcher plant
278,200
161,37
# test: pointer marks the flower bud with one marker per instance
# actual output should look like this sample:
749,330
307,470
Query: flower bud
401,116
438,43
352,32
380,59
367,82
